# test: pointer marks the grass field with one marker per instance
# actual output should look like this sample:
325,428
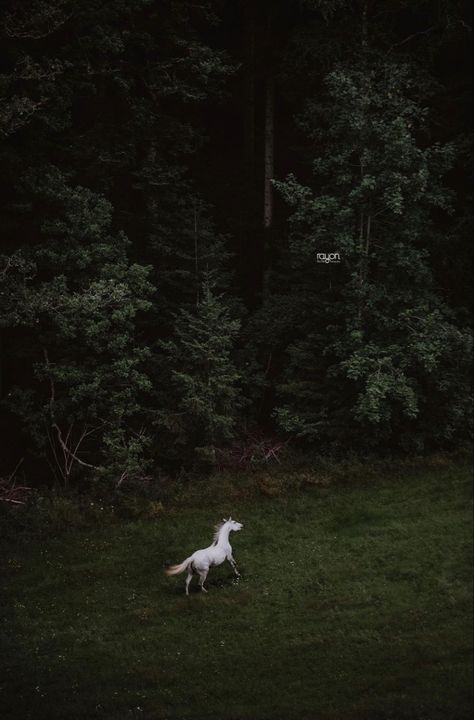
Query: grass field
354,602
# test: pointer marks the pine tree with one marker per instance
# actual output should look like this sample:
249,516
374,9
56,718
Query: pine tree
203,375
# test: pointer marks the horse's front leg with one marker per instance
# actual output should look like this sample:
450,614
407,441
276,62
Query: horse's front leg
234,566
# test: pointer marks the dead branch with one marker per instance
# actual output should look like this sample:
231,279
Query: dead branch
12,475
51,381
67,451
10,491
251,450
409,38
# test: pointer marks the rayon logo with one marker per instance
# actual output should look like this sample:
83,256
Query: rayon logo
328,257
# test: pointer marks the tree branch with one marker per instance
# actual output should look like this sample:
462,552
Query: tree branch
410,37
69,452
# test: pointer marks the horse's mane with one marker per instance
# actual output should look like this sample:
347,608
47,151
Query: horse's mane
217,529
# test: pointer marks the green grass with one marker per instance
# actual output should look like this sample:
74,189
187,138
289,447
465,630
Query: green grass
355,602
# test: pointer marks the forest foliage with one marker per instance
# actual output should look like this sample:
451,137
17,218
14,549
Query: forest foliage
155,306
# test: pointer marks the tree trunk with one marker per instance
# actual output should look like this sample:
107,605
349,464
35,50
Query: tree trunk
251,240
269,120
268,151
249,89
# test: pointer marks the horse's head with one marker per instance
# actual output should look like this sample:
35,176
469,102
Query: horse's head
233,524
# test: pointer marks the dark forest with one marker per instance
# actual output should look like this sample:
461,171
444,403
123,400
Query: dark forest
231,218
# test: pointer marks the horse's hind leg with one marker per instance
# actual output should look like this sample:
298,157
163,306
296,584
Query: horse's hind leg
188,579
202,579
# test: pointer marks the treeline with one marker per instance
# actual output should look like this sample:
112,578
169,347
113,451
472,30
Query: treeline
172,174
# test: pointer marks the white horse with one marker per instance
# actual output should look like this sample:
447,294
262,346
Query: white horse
201,560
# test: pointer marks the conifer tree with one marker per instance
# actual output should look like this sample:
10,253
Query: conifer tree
203,376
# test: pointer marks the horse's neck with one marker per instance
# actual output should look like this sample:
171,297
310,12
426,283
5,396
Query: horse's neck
223,538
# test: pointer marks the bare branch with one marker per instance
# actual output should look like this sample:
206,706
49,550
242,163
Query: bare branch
10,491
51,382
123,477
410,37
10,477
69,452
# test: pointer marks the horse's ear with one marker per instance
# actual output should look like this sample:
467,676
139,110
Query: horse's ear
230,518
224,520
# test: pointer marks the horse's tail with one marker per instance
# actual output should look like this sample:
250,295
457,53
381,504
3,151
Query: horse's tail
176,569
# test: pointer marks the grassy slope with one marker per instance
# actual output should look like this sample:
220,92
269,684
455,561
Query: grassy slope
355,602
